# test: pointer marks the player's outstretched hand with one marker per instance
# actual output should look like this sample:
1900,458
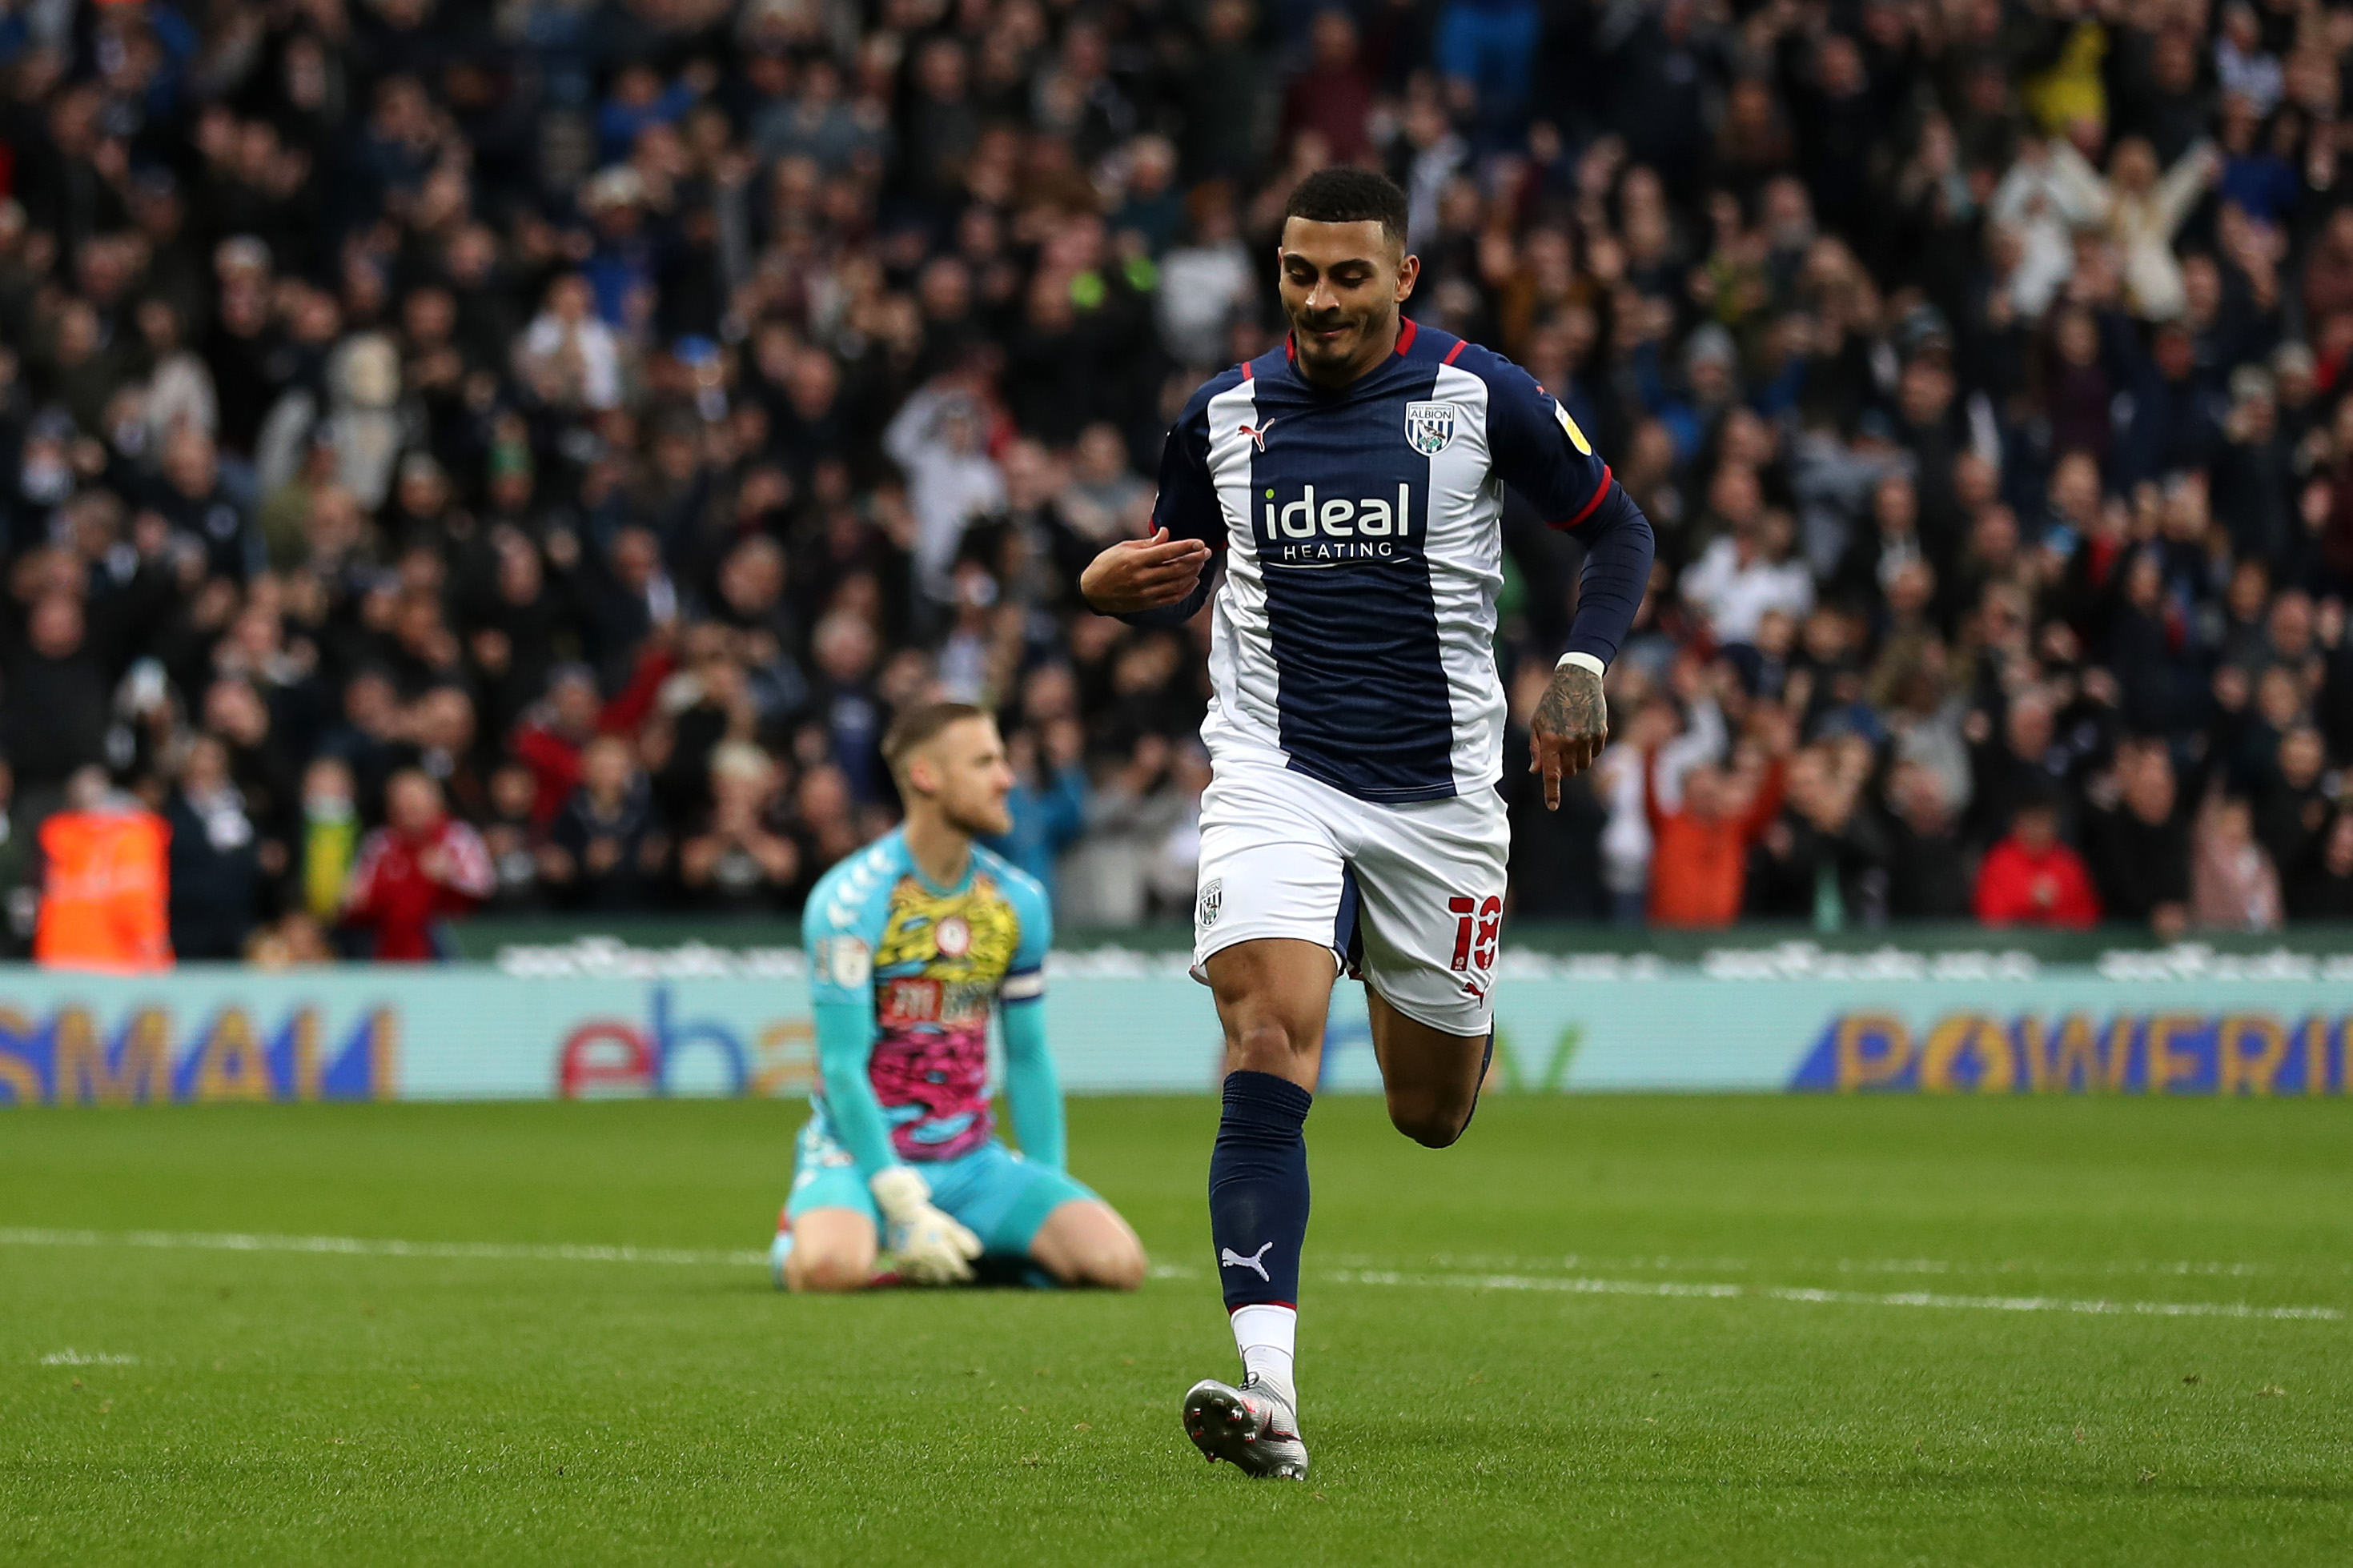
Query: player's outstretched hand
1571,726
1142,574
931,1246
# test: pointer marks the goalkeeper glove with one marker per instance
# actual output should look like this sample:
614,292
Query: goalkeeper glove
931,1248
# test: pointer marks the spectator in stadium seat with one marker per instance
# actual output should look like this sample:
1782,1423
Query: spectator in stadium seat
606,848
1926,723
1049,797
2292,807
2148,647
638,99
1331,97
53,711
216,866
2321,888
709,702
1746,573
447,744
517,622
1868,566
331,838
1927,862
2233,885
1486,50
1701,842
418,869
1657,80
1105,880
749,599
2139,848
512,839
568,356
2031,878
937,441
1208,282
1104,498
199,506
2023,762
367,739
1822,859
2253,472
739,862
845,703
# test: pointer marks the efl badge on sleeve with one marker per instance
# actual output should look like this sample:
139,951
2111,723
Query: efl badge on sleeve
847,962
1568,427
1430,427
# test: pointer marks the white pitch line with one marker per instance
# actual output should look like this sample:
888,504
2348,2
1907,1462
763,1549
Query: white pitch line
1575,1262
1579,1284
361,1247
1576,1285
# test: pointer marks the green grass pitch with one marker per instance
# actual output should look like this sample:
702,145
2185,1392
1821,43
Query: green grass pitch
1608,1330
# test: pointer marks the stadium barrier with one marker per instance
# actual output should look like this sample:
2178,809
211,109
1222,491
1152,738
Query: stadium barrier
598,1017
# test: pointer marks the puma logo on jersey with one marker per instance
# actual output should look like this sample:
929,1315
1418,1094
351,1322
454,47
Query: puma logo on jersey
1229,1258
1258,434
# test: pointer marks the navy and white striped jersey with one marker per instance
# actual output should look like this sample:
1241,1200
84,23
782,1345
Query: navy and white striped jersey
1353,635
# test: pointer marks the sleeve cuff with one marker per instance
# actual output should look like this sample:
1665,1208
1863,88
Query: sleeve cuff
1582,661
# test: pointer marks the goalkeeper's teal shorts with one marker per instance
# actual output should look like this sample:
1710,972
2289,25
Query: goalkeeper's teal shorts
992,1192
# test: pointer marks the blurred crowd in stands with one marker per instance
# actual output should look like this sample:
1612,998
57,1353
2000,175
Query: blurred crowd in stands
515,455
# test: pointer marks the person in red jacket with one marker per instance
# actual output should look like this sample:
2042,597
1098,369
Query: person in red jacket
2030,878
557,730
1699,854
420,867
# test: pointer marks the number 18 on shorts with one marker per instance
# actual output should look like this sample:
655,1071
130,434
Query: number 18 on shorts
1411,894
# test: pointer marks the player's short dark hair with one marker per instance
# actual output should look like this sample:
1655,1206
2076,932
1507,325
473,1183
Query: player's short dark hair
1349,195
912,729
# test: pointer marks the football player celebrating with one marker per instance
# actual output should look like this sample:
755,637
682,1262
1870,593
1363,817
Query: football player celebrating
1351,481
909,943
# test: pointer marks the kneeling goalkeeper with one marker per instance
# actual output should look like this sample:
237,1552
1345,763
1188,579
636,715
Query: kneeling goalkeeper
909,942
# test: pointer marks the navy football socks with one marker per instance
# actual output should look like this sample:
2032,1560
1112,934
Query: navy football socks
1258,1189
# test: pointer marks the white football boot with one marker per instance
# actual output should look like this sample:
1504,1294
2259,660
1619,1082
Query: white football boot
1253,1427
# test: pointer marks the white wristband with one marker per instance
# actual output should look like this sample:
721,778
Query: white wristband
1582,661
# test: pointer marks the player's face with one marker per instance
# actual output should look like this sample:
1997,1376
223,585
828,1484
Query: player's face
1342,284
968,758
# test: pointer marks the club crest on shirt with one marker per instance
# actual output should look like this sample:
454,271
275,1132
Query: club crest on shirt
953,937
1430,427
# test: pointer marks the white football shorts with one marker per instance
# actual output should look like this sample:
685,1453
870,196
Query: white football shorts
1409,896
